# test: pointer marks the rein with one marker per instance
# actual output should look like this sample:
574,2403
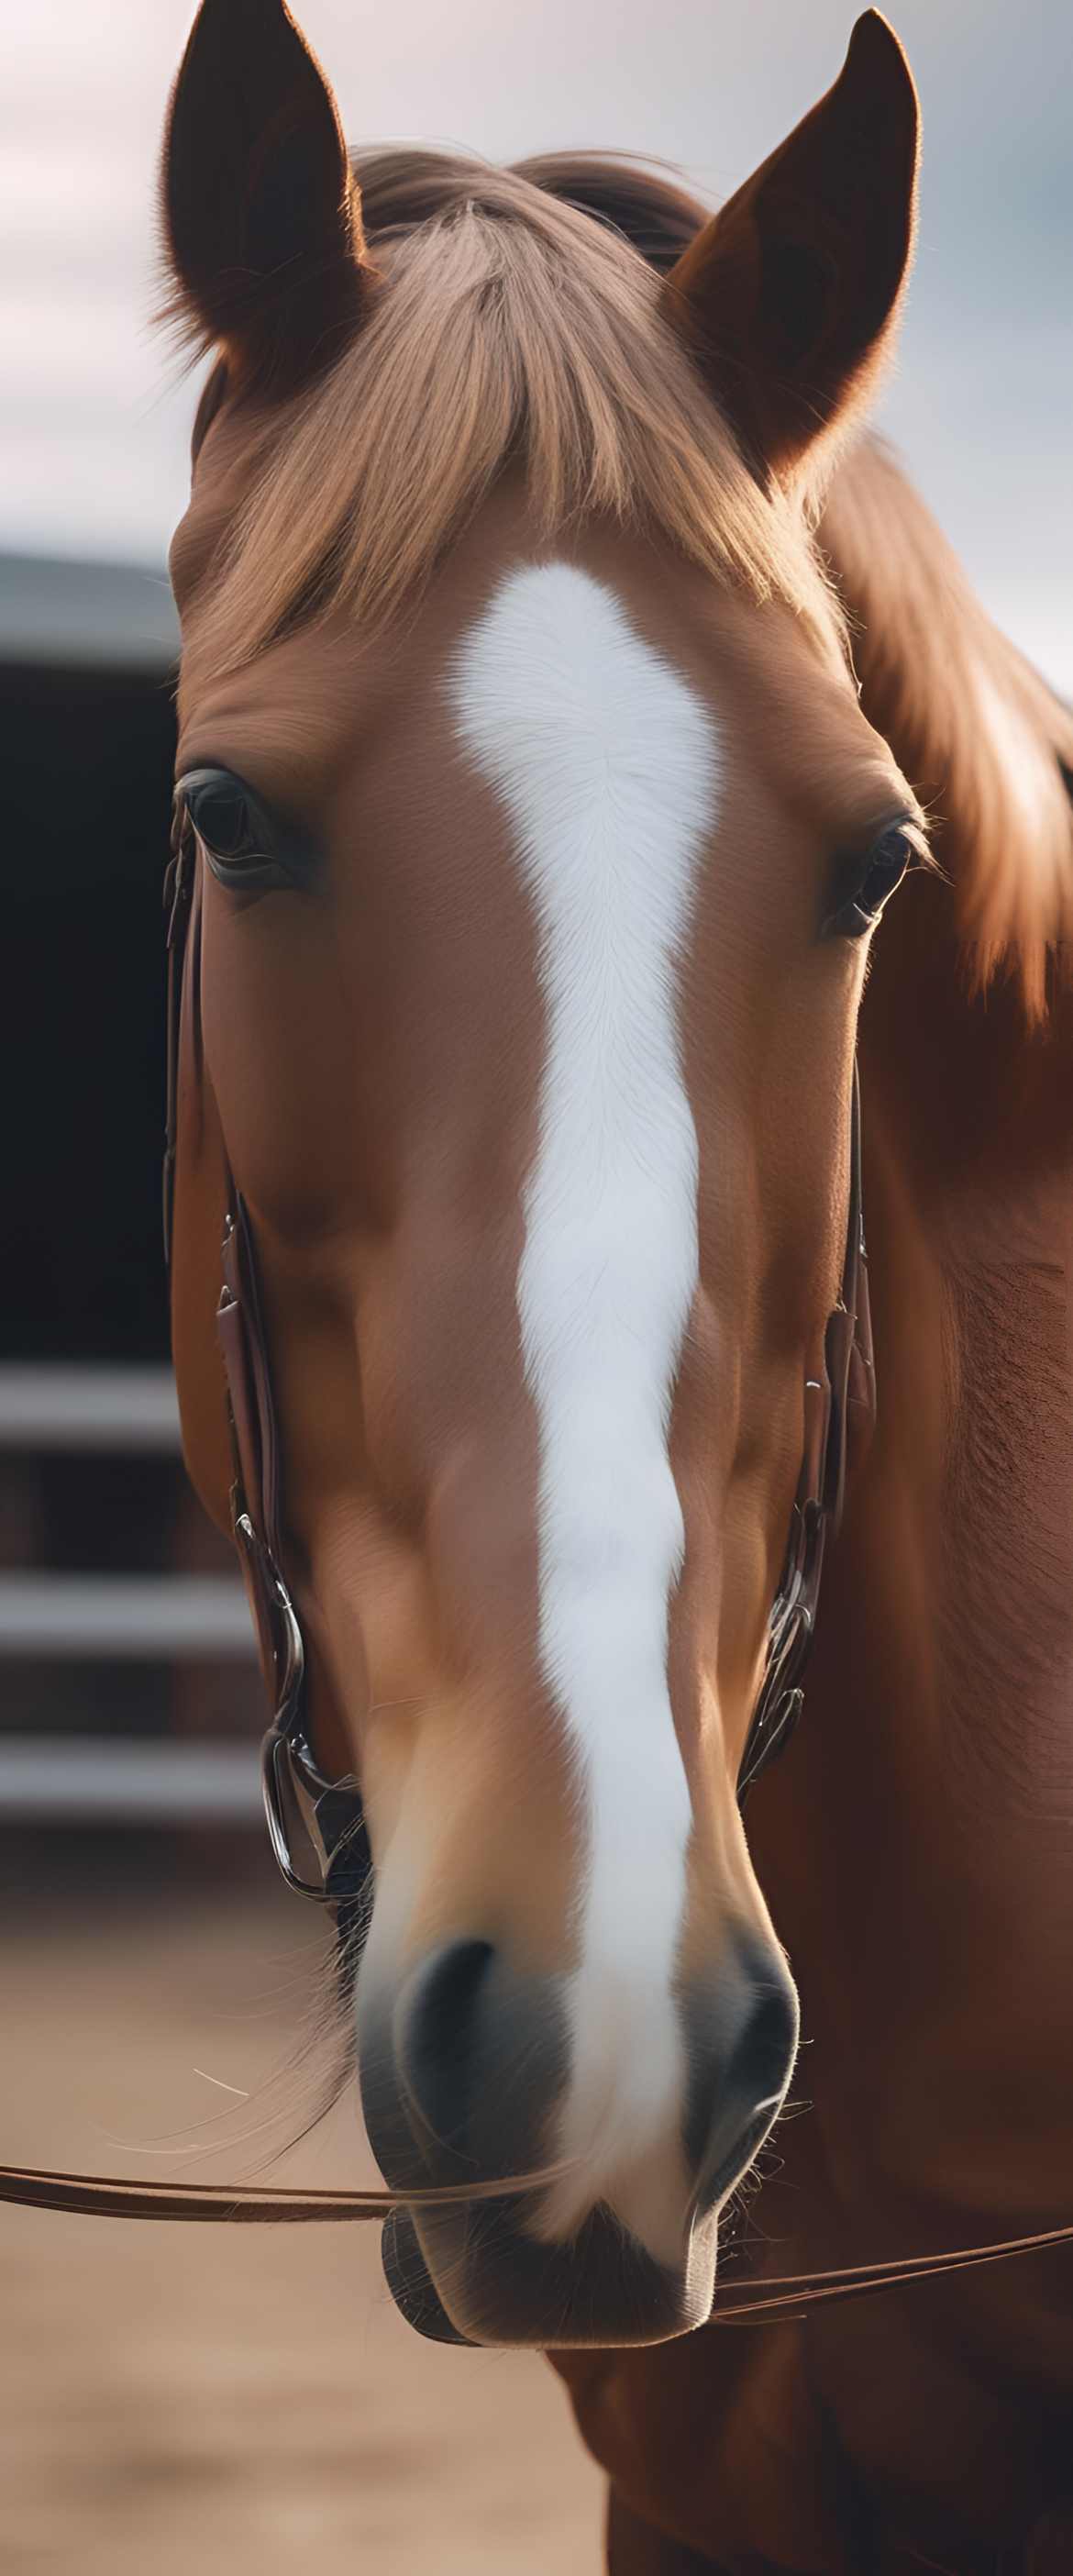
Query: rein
779,2297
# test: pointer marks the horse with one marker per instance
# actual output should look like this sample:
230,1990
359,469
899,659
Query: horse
569,692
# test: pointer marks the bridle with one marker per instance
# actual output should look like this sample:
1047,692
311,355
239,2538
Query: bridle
316,1825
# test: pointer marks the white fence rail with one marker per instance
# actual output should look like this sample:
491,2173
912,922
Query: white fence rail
114,1779
71,1406
64,1408
126,1617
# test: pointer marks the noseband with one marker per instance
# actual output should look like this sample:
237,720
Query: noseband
316,1825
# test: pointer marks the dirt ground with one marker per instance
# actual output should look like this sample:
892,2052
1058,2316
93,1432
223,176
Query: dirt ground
235,2402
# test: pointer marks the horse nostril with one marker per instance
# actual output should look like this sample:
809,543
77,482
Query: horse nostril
739,2077
764,2054
441,2039
468,2061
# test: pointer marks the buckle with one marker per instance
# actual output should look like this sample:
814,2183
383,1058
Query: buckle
316,1826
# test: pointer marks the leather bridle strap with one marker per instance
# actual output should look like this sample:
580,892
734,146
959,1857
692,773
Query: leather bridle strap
316,1826
247,2204
178,901
840,1417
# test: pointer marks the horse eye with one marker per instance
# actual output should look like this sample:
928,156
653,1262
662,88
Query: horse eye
242,844
861,901
221,817
219,808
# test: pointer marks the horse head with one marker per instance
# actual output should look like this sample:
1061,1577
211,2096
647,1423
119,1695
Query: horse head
537,841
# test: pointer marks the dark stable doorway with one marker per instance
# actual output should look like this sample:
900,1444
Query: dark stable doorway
87,764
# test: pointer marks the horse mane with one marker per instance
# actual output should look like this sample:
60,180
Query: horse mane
980,737
518,317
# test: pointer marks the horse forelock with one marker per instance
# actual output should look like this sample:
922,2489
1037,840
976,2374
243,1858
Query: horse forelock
643,202
509,325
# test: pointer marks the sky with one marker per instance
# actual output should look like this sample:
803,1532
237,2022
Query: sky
94,419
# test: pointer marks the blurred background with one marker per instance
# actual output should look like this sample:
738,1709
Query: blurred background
93,444
223,2399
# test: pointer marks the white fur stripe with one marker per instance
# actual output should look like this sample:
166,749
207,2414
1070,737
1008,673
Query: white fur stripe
606,762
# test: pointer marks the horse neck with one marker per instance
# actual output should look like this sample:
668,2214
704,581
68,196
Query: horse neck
915,1849
970,1211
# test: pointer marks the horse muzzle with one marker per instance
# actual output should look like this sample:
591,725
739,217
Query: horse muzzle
465,2066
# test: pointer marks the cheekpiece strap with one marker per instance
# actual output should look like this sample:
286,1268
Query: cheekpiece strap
316,1825
840,1415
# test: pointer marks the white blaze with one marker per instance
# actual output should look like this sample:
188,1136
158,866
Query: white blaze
607,764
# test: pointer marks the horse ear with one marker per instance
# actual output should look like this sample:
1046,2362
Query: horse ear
787,297
262,219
